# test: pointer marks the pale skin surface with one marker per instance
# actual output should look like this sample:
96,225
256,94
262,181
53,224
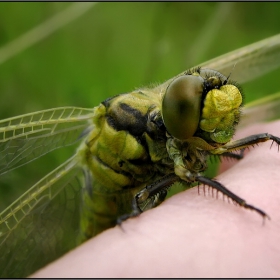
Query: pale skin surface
192,235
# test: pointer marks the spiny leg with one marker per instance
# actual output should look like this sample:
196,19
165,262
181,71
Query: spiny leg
157,190
227,155
219,187
236,156
227,149
247,142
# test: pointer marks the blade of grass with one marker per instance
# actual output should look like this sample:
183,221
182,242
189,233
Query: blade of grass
41,31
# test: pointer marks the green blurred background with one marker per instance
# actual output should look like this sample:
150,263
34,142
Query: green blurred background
114,48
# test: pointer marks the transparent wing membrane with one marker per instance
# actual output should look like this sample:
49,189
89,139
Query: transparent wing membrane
27,137
247,63
42,224
261,110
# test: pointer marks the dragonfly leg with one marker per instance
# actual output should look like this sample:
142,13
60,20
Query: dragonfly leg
236,156
157,191
246,142
219,187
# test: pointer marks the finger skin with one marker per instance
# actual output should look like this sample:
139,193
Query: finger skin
191,235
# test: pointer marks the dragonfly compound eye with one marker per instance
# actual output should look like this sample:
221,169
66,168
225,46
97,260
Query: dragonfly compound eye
181,106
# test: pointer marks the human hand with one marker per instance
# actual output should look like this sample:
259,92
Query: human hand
191,235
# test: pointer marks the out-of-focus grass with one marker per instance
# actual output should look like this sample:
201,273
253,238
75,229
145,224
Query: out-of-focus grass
114,48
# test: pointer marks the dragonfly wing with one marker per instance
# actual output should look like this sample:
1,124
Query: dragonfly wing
263,109
27,137
43,223
249,62
246,63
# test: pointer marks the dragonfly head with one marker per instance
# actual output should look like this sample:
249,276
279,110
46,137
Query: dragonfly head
204,103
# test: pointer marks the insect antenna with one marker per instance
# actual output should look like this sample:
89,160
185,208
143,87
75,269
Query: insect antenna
226,80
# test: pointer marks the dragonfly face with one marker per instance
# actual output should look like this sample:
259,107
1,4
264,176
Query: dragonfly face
202,102
134,147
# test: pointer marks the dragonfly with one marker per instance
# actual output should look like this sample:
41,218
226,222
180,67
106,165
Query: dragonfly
133,148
